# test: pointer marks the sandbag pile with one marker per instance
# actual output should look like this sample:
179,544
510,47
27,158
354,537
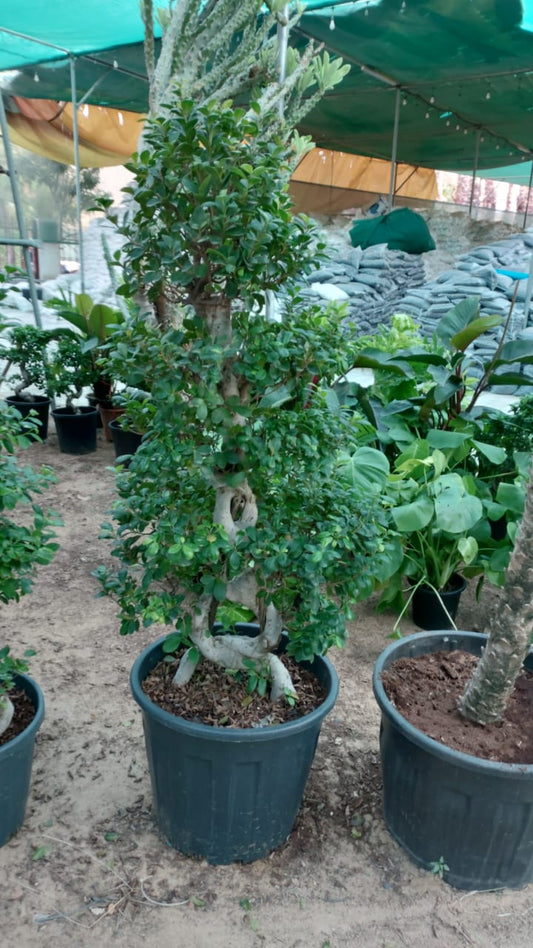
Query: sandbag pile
371,282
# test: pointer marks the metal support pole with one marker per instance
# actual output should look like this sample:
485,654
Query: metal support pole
394,147
77,164
474,172
18,210
524,225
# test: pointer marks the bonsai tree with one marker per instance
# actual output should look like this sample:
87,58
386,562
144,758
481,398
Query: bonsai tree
230,509
24,348
71,367
95,323
26,541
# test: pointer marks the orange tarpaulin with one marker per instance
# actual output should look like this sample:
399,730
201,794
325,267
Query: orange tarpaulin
342,174
106,136
109,136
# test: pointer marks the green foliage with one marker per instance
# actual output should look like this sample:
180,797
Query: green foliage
95,323
450,478
24,348
513,431
314,550
442,511
212,214
10,666
23,546
424,387
70,367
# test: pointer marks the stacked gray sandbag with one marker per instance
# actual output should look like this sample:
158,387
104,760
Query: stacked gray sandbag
371,281
476,274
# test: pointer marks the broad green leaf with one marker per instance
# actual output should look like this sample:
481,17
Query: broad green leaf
456,319
366,468
517,350
468,548
512,497
411,517
492,452
276,397
455,514
474,329
446,439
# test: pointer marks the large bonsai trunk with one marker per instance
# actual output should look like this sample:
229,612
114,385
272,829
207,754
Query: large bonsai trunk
235,509
509,630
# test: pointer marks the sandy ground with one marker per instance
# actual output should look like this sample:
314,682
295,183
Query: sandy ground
89,868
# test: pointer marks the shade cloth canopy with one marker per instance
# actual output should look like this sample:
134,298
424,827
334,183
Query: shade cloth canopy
464,70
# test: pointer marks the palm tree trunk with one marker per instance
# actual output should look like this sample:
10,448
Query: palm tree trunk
509,632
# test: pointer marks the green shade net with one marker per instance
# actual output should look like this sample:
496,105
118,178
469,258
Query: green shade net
464,67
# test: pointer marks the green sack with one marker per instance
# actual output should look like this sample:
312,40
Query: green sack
401,229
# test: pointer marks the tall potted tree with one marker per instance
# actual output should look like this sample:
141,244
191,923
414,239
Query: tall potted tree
447,801
229,508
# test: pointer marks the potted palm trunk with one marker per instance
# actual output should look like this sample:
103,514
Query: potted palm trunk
465,806
229,512
27,540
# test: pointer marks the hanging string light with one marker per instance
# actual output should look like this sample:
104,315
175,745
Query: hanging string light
36,77
332,21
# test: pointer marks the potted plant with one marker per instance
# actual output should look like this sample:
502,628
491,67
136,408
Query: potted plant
451,480
466,804
71,370
443,514
229,512
95,323
23,546
24,349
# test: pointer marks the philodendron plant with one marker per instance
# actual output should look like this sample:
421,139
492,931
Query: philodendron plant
435,384
23,545
230,508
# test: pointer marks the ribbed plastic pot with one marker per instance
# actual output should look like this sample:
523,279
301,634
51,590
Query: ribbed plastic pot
125,442
227,794
428,612
39,404
16,759
476,814
76,431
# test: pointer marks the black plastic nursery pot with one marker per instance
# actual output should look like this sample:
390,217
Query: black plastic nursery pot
427,608
76,430
125,442
37,403
227,794
476,814
16,759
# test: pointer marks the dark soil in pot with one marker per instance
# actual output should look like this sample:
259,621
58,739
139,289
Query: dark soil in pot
425,690
215,697
23,716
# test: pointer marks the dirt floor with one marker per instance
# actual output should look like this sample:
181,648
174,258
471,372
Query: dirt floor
89,868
